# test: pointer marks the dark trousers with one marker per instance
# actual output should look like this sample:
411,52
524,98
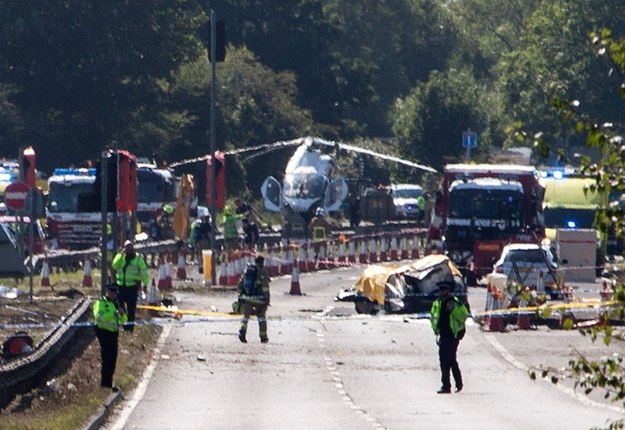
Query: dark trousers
447,349
108,355
127,298
260,310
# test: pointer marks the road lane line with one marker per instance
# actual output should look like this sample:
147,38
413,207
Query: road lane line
139,392
569,391
340,386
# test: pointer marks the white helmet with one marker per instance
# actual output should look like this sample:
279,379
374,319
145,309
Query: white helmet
320,212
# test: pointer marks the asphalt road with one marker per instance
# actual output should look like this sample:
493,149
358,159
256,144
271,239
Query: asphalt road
326,367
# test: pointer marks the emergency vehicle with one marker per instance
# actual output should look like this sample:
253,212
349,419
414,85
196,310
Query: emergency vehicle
73,212
479,208
156,189
71,220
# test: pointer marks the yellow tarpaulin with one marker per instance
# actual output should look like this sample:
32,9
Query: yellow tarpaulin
372,281
180,223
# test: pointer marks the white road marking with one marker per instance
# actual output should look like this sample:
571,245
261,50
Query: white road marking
569,391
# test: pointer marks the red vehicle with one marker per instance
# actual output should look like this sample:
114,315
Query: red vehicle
73,217
480,208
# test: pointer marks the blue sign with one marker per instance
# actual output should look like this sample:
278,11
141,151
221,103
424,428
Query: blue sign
469,139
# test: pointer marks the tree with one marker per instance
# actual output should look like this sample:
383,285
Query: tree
429,122
89,72
255,105
608,373
554,59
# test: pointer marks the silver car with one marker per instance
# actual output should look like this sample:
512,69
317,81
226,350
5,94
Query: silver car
527,263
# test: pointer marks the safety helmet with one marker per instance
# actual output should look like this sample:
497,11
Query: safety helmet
320,212
227,210
168,209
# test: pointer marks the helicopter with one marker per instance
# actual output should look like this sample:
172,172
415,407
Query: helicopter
312,177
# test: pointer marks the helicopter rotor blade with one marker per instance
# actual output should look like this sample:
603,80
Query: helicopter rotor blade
387,157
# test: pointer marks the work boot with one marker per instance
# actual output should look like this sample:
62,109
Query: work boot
264,339
242,337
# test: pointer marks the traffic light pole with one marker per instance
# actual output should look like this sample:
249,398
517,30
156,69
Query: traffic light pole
104,209
213,172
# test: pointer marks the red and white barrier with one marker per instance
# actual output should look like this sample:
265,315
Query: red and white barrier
312,263
403,244
415,248
322,261
181,272
606,291
87,279
383,250
223,272
373,251
394,251
362,259
351,251
341,259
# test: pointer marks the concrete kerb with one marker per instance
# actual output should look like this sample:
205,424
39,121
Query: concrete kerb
99,418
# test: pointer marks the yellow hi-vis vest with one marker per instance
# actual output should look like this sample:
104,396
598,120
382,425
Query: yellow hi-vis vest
130,273
107,316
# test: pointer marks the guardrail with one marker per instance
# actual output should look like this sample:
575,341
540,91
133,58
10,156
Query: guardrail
21,374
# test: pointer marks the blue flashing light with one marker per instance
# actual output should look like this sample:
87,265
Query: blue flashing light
543,174
558,174
571,224
74,172
6,176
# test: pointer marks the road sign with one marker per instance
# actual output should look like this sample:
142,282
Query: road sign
469,139
15,195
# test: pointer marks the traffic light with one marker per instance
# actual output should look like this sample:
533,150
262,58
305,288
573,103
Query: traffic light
27,167
220,41
220,180
121,181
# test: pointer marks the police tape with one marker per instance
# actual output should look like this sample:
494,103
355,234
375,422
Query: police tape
220,317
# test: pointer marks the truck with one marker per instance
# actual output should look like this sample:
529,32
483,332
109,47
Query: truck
479,208
71,222
73,211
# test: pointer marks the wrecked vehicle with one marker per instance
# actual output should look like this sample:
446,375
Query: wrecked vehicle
403,289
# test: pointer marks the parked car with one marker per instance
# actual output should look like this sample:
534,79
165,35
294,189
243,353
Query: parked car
525,263
405,198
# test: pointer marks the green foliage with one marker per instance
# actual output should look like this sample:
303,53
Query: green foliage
428,124
607,373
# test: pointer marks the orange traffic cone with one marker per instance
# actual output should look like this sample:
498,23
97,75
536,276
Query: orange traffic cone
523,316
45,273
295,287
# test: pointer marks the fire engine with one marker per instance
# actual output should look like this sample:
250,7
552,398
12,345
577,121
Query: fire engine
73,212
70,222
479,208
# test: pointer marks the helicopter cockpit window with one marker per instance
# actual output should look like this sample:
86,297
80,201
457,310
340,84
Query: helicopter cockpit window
305,187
